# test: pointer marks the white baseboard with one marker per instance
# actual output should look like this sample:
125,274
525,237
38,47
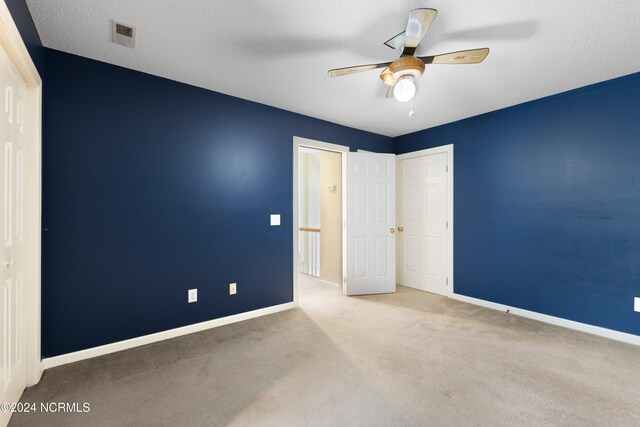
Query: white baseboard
63,359
582,327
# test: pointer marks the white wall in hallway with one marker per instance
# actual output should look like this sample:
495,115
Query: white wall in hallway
331,216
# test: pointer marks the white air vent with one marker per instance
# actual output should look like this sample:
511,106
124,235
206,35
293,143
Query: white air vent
123,34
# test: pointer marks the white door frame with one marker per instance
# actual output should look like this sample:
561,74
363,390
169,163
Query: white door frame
17,51
449,235
310,143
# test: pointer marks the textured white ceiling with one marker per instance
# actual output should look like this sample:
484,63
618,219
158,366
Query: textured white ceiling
277,52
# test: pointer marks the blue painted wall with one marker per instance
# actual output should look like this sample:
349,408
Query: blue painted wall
152,187
547,203
26,27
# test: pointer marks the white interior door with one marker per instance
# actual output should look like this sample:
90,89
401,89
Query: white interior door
370,224
422,214
12,317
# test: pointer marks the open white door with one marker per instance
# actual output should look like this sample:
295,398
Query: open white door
370,216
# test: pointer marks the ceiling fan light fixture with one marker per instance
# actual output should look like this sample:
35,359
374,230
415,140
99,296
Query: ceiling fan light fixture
405,89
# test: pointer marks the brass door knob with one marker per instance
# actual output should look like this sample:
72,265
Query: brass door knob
401,229
392,230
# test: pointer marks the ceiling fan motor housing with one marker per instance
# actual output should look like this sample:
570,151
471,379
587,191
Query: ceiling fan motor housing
402,67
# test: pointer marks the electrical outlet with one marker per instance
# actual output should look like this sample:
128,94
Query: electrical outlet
636,304
233,288
192,295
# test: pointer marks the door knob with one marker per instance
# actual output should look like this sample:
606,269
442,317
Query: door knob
392,230
401,229
8,263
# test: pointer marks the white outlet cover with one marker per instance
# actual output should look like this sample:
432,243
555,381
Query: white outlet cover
192,295
233,288
275,219
636,304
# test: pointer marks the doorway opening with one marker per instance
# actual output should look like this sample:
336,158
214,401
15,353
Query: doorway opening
318,219
318,202
367,219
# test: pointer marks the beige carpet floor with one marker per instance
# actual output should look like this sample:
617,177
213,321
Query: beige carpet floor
404,359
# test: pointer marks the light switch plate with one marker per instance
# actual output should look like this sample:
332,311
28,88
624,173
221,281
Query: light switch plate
636,304
233,288
192,295
275,219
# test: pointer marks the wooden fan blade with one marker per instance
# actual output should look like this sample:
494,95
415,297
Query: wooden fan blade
389,92
337,72
473,56
419,22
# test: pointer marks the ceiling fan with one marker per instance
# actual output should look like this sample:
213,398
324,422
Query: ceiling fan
400,75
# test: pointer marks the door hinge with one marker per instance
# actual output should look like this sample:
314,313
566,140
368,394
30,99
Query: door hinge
447,224
446,280
344,280
447,168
